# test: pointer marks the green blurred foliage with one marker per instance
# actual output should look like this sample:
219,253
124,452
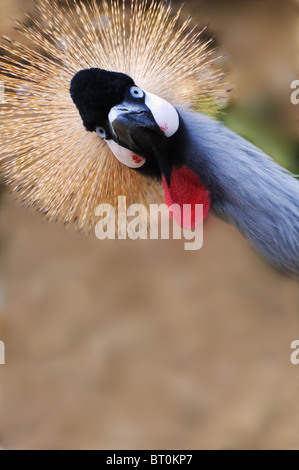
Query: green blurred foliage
258,129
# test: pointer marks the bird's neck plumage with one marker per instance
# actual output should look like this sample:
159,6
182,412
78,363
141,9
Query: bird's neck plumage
185,192
247,188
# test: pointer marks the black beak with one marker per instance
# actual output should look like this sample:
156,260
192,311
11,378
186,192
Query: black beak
130,123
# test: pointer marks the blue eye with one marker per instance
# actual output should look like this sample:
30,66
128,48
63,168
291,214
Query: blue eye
136,92
101,132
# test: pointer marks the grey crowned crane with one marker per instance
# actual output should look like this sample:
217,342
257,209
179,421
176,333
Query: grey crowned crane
129,65
199,160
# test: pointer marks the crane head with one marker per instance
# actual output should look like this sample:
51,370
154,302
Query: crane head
129,119
142,130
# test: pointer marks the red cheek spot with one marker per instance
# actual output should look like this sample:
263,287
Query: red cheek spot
164,127
137,159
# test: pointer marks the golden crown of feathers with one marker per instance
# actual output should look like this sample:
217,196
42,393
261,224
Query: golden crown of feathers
45,152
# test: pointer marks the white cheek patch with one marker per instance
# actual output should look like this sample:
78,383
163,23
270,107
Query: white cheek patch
164,113
125,156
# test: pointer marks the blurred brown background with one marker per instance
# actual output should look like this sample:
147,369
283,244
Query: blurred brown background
119,345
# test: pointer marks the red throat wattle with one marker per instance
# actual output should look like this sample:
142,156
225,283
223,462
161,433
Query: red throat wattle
186,189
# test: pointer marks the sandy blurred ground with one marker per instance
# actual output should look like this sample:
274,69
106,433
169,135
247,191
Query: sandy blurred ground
142,344
122,344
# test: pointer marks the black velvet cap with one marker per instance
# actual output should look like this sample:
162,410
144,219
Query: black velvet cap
95,91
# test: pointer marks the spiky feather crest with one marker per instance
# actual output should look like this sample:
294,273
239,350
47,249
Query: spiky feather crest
45,152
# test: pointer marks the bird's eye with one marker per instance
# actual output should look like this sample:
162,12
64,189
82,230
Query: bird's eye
101,132
136,92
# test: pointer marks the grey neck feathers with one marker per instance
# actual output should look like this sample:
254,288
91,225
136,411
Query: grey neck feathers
249,190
